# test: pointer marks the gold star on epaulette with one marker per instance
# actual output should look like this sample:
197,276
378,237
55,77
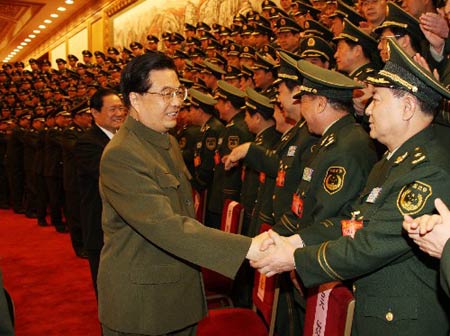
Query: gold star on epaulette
400,158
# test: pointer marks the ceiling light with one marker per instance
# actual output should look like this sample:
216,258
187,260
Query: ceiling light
27,40
31,36
24,43
13,53
42,26
69,2
61,9
47,21
19,47
16,50
36,31
53,15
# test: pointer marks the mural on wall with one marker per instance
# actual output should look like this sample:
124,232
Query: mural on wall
157,16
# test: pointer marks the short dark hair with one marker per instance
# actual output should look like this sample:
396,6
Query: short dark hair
135,76
400,32
424,107
291,84
340,105
96,101
366,51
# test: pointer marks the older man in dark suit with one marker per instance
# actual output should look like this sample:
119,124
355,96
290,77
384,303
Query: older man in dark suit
109,113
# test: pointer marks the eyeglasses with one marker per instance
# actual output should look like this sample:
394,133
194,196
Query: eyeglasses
368,2
383,39
168,94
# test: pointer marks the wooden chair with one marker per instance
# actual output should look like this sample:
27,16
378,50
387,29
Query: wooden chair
259,321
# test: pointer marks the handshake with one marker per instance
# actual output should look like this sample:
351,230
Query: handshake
270,253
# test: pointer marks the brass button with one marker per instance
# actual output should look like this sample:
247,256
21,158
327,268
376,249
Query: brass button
273,197
354,288
389,316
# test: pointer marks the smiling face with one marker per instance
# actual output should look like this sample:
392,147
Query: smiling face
288,103
345,57
153,110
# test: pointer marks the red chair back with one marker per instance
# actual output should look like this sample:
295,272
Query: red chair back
265,291
232,217
329,310
199,198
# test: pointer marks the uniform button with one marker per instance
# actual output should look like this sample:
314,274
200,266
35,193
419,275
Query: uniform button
354,288
389,316
273,197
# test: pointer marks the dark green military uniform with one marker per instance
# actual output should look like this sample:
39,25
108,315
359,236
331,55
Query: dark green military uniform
15,167
38,143
53,172
282,173
227,184
187,140
283,165
396,285
334,175
267,138
30,190
71,185
206,145
204,153
445,269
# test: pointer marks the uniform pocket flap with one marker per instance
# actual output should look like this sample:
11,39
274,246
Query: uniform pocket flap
154,274
166,180
391,308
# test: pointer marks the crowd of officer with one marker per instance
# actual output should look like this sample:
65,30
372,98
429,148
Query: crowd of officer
233,75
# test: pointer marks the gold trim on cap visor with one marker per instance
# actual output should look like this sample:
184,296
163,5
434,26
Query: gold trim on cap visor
352,38
253,107
307,89
286,76
399,80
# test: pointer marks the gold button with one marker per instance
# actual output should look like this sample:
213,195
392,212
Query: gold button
273,197
389,316
354,288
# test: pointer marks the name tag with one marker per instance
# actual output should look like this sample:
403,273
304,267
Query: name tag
373,195
307,174
291,150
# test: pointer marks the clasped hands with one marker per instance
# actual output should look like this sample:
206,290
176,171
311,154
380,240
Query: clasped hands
271,254
430,232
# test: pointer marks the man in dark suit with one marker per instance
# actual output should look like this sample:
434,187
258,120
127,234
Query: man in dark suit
109,113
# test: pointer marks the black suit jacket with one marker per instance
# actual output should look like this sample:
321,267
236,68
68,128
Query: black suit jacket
88,152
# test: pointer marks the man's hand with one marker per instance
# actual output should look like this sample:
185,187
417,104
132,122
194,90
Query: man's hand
231,160
430,232
361,97
280,257
435,23
260,246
